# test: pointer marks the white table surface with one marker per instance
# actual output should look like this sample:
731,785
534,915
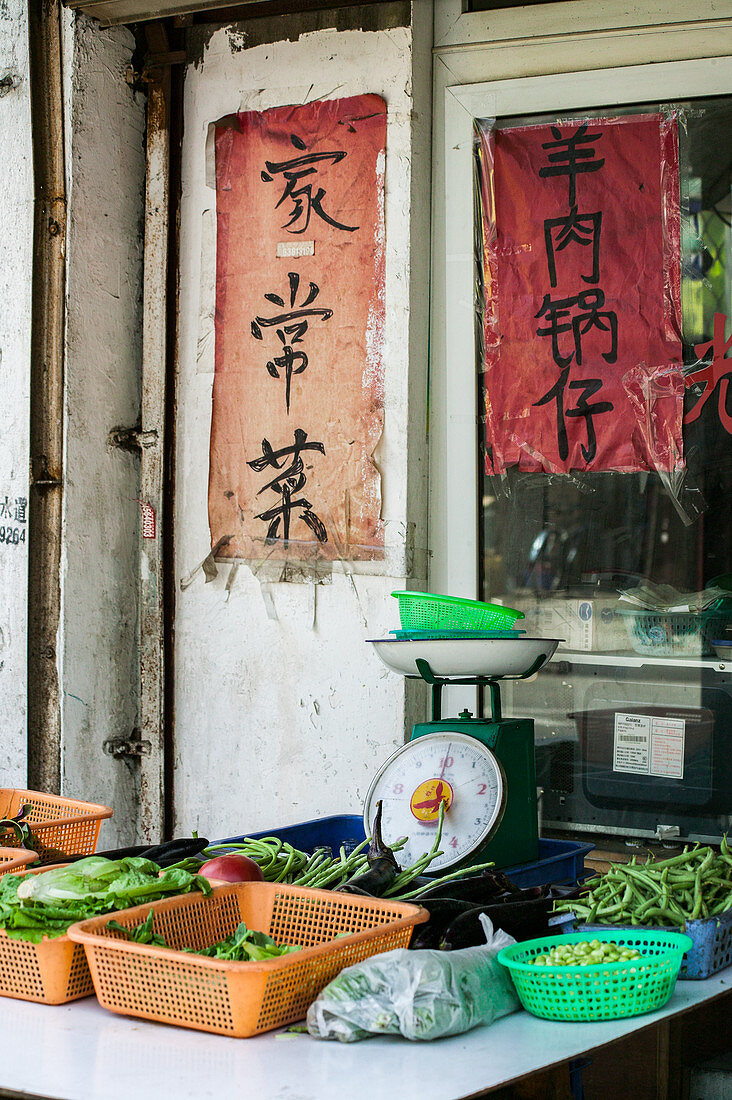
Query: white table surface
80,1051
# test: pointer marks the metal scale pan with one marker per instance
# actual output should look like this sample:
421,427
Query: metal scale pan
452,658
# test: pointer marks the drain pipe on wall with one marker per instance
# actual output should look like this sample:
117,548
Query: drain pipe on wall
152,420
46,395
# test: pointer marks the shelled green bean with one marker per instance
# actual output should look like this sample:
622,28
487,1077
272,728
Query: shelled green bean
694,885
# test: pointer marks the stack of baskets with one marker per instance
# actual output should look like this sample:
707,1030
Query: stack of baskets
425,615
53,971
60,826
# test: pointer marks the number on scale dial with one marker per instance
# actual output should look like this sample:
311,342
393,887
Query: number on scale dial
453,768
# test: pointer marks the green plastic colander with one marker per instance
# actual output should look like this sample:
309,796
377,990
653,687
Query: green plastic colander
430,611
606,991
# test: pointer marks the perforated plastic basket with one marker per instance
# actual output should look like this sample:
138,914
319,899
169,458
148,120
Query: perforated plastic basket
607,991
51,972
62,825
430,611
711,949
675,633
239,999
15,859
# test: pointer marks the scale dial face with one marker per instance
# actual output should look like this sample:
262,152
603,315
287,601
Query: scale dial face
454,768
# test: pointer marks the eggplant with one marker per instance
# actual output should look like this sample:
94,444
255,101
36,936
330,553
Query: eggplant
442,911
481,889
524,920
174,851
565,891
165,855
383,867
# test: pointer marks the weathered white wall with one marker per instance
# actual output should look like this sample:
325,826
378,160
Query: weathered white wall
280,719
16,243
105,131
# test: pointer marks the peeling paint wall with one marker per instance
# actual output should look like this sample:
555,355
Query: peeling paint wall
283,711
16,243
99,661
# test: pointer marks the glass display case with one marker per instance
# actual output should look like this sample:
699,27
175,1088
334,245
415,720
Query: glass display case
609,522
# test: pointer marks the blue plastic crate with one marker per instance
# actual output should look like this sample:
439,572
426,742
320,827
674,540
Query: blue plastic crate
321,832
559,860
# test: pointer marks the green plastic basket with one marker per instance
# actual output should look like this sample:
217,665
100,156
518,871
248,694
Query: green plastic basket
606,991
429,611
450,635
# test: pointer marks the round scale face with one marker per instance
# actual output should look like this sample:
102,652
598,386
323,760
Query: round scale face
453,768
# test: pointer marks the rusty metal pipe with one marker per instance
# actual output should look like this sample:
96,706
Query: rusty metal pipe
154,353
46,395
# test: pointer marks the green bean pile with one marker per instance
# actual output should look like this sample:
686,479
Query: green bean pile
694,885
280,862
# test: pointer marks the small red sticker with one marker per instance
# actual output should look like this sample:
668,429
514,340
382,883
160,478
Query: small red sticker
148,520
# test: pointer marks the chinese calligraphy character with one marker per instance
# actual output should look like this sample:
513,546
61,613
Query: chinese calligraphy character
305,202
571,159
292,361
21,503
589,387
558,310
6,508
574,228
713,373
288,482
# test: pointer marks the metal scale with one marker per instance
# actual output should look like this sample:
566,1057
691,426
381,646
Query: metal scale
483,771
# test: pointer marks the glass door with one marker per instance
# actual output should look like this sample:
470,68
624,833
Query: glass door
602,317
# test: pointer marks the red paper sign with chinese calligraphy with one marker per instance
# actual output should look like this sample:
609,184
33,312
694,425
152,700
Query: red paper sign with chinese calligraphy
582,321
298,385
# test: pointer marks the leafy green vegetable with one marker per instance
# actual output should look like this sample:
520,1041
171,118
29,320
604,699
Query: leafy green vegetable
246,945
143,933
34,906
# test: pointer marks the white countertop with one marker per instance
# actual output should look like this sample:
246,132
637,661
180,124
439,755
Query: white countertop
80,1051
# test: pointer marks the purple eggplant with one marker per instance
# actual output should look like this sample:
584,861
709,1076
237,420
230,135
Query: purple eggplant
383,867
524,920
442,912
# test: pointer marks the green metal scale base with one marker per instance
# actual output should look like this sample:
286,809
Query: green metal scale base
514,838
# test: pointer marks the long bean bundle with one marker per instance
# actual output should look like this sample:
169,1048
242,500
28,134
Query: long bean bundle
322,870
694,885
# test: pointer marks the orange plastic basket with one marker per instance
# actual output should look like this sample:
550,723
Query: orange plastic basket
51,972
61,824
15,859
238,999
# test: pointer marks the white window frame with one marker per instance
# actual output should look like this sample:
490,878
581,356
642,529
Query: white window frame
454,457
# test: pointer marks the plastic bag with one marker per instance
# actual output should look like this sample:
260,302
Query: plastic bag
417,994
